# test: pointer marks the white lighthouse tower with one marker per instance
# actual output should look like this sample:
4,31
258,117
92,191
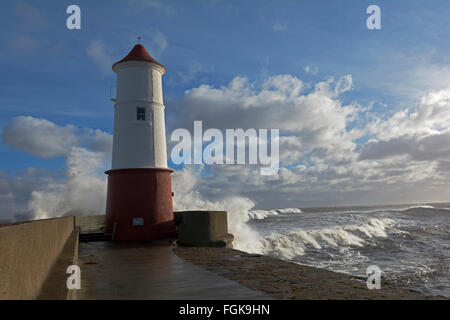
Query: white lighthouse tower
139,199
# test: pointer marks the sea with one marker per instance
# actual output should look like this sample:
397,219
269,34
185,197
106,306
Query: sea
409,243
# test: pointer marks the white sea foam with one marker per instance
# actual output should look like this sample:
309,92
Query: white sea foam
82,193
288,246
419,207
187,198
262,214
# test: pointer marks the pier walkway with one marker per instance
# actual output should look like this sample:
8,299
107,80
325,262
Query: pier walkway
145,270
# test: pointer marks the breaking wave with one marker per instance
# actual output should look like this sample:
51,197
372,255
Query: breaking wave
262,214
419,207
289,246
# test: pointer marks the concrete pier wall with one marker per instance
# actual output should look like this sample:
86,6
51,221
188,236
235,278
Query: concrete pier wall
28,252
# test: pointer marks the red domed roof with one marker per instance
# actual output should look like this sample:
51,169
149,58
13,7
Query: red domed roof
139,53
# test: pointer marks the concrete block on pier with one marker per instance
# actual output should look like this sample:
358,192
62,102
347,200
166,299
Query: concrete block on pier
203,228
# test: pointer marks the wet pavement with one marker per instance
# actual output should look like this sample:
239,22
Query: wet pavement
148,270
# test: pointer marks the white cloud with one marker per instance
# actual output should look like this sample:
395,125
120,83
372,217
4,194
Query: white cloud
344,84
97,141
193,70
278,26
157,44
285,84
431,147
291,150
39,137
326,166
421,134
311,69
99,52
317,118
46,139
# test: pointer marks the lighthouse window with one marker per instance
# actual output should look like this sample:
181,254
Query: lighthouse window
140,115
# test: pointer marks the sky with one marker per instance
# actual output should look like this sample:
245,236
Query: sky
363,114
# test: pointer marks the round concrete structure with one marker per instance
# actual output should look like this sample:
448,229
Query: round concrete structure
139,204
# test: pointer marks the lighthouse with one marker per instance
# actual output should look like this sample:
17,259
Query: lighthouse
139,194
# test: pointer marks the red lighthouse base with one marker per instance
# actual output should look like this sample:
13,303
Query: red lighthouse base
139,204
